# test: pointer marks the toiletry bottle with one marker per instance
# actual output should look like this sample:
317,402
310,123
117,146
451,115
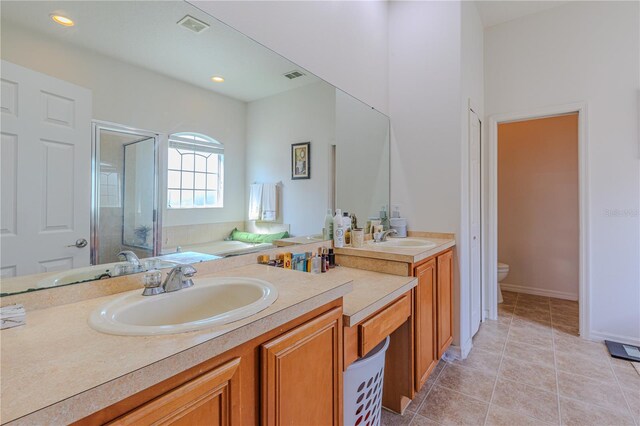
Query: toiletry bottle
346,223
384,219
396,212
315,265
309,255
338,229
338,235
328,226
332,259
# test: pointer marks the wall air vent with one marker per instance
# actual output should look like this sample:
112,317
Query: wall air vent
193,24
293,74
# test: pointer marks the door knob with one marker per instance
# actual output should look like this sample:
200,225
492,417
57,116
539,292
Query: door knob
80,243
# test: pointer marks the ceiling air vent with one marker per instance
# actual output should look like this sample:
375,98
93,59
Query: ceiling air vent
293,74
193,24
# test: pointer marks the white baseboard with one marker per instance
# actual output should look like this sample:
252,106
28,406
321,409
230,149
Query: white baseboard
599,335
539,291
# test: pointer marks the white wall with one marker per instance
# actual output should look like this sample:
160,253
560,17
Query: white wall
273,124
343,42
472,94
136,97
586,51
424,105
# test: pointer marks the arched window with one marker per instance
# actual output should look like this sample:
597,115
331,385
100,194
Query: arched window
195,171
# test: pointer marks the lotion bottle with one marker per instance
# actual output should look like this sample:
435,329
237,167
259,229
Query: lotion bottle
328,226
338,229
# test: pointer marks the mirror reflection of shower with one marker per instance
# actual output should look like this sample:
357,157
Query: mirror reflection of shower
124,193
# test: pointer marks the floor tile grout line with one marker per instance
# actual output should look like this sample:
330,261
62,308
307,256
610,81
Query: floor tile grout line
601,407
558,370
504,348
464,394
435,380
621,389
555,364
480,370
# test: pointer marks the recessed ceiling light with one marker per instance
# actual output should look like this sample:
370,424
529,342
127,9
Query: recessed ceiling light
217,79
62,20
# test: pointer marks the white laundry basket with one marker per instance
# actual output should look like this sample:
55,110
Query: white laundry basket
363,382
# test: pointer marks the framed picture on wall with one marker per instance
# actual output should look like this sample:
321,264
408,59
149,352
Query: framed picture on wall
301,160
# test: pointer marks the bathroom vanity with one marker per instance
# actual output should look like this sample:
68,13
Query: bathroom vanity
281,365
430,260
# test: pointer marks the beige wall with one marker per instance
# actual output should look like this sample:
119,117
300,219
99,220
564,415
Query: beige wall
538,204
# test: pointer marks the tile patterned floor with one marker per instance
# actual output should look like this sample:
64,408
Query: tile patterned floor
529,368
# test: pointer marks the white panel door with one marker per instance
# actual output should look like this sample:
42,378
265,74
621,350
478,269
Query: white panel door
46,172
475,221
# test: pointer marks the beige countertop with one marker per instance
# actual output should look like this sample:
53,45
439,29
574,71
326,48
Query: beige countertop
56,369
371,292
398,254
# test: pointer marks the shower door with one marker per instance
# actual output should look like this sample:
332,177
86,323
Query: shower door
125,193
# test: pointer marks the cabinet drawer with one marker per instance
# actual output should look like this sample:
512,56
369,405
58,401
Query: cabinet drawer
377,328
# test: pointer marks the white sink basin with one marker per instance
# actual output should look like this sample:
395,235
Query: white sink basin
406,243
88,273
209,302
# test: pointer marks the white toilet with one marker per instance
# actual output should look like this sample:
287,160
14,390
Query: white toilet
503,271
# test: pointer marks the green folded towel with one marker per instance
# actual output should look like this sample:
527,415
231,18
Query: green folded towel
248,237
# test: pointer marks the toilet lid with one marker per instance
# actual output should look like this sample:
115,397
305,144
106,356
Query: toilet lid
503,266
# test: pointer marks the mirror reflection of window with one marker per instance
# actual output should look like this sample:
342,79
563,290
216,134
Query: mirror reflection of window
195,171
109,186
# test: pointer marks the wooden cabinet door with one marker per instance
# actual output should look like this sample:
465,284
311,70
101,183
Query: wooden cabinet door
444,293
302,374
425,322
210,399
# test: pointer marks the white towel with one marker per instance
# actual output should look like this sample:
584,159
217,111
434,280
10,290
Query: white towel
269,202
255,201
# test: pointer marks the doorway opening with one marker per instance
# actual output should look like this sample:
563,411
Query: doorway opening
537,240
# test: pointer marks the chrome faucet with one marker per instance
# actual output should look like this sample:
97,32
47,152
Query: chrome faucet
178,278
130,257
379,237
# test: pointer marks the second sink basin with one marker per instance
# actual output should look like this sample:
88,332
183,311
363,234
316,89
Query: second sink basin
211,301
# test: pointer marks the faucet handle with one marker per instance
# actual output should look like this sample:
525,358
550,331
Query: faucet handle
152,283
187,270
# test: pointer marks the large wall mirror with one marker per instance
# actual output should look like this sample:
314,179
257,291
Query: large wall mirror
151,131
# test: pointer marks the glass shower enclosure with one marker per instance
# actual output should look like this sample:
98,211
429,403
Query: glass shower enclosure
124,192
